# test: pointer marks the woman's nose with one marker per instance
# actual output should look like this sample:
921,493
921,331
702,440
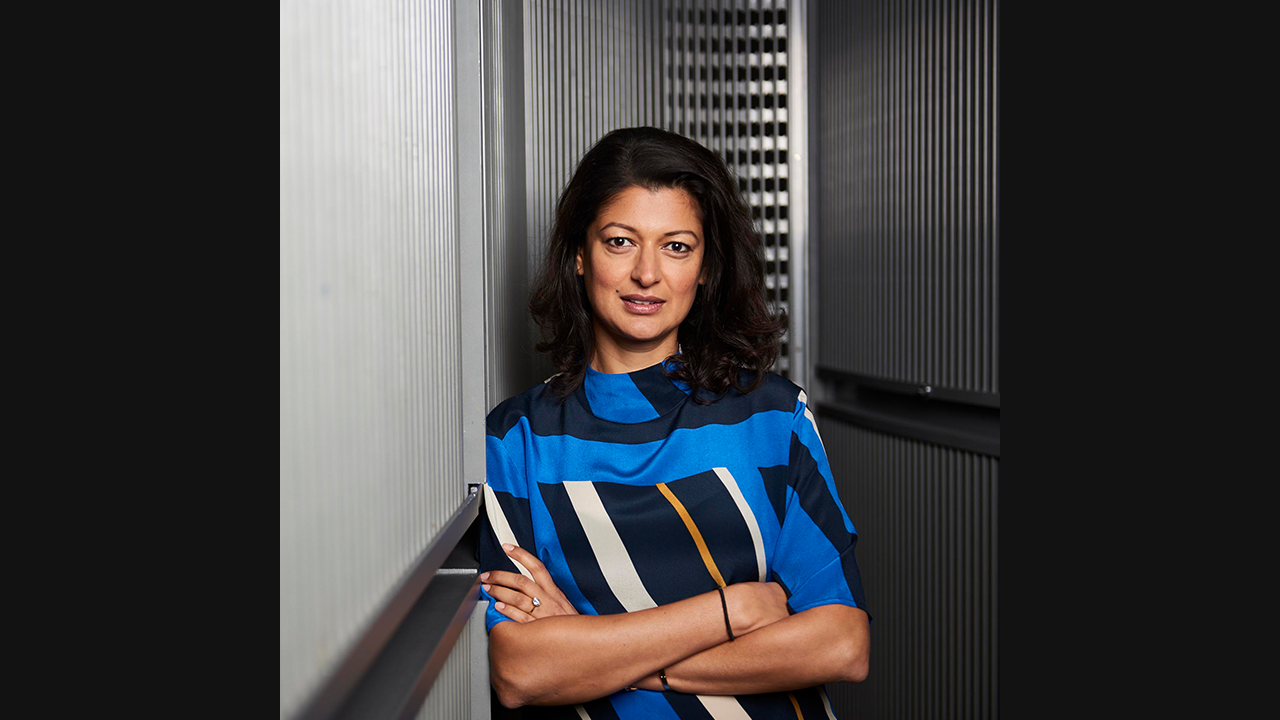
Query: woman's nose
646,271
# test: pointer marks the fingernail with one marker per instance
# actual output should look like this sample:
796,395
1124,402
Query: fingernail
500,605
484,576
486,588
508,547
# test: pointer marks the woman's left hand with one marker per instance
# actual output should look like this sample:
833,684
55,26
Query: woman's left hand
515,593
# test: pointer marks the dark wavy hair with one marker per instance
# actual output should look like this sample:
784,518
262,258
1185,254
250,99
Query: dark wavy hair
728,338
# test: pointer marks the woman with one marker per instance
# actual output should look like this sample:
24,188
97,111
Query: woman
662,537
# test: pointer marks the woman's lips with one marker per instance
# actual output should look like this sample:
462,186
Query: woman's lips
642,305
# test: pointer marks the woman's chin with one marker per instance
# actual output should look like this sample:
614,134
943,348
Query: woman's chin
641,335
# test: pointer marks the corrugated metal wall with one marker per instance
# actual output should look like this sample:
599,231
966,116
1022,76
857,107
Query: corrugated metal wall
510,347
927,550
451,695
905,248
906,98
590,67
375,283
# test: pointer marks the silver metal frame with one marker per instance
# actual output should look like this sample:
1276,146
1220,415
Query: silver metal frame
801,275
470,200
472,160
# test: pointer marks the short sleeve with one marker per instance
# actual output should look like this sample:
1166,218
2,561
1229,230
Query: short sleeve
814,557
504,517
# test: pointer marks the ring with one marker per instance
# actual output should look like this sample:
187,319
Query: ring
537,603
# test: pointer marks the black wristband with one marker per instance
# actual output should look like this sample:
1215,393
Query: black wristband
663,675
725,605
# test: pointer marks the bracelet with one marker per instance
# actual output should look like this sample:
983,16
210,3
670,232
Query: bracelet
725,605
663,675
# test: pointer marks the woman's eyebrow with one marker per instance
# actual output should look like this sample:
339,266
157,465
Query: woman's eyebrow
678,232
631,229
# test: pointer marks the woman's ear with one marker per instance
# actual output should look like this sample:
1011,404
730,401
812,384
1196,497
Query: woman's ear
579,259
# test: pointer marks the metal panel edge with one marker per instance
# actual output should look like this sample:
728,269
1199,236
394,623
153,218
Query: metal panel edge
843,377
944,429
802,360
335,690
470,208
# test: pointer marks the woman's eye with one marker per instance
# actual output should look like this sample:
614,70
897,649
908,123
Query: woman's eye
678,247
617,242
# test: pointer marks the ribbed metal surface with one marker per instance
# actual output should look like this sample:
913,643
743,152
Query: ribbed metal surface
926,518
726,65
590,67
510,350
370,461
907,105
451,694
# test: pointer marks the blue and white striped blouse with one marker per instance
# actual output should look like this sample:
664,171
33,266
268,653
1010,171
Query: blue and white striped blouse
635,496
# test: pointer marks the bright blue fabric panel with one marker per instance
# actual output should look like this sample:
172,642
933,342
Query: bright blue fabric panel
616,398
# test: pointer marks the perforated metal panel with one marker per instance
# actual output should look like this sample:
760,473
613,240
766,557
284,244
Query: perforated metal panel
370,455
727,86
906,95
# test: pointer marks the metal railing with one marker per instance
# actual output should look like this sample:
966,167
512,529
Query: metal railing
390,668
951,418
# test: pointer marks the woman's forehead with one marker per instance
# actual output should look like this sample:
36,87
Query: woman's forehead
643,209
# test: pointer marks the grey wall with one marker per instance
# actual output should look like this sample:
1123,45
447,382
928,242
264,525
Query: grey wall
402,283
510,346
927,551
905,247
370,459
590,67
905,95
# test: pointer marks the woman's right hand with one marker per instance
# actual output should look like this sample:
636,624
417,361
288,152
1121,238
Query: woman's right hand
753,605
516,593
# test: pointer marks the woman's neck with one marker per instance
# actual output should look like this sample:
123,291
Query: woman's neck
612,357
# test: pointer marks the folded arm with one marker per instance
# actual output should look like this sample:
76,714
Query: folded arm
824,644
568,659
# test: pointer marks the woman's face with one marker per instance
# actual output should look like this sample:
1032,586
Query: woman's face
642,264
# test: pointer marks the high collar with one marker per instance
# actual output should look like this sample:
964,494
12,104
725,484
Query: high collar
632,397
